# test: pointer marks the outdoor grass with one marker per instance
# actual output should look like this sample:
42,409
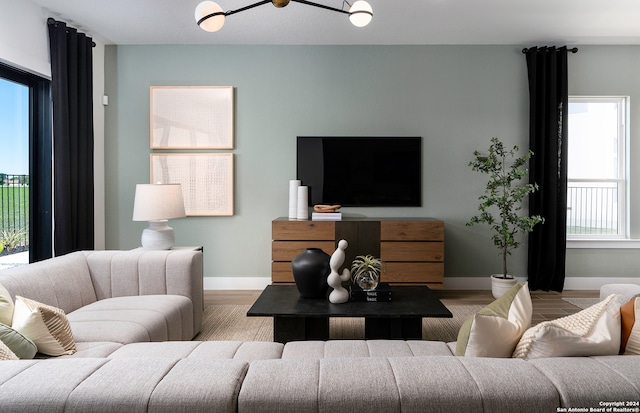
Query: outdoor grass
14,208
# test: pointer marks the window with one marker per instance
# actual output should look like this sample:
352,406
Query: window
25,163
14,167
597,185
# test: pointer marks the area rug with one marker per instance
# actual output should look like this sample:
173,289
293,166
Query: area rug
230,322
582,302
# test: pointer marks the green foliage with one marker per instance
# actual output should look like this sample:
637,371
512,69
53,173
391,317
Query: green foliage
501,205
13,238
366,263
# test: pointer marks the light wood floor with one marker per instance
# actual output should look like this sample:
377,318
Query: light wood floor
546,305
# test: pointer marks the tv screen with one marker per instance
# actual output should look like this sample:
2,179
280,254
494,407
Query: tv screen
361,171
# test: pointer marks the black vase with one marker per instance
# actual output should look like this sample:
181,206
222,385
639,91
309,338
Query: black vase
310,271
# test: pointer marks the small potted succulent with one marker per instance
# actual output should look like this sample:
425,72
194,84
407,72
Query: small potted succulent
366,270
500,206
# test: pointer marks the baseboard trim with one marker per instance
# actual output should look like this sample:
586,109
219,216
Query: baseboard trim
450,283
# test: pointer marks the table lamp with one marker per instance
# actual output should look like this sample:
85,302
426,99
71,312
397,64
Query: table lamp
158,203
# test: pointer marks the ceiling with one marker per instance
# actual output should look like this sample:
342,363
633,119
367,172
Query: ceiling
521,22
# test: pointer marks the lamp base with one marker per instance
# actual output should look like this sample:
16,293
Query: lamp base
158,236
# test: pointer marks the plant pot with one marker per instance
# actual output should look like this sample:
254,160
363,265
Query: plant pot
500,285
367,280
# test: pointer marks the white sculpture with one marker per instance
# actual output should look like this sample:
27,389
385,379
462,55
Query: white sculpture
339,293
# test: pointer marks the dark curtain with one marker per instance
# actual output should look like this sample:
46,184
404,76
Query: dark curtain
548,97
71,88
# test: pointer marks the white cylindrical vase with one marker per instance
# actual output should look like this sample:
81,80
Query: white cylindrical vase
294,184
303,203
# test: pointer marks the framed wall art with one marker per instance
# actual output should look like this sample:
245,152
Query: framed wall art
206,179
191,117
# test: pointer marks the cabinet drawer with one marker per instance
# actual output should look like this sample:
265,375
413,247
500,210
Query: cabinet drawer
412,251
411,230
287,250
408,272
281,272
303,230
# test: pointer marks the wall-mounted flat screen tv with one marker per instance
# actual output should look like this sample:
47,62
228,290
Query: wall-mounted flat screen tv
361,171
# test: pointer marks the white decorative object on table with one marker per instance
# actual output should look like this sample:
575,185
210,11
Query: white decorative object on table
339,293
303,203
293,198
157,203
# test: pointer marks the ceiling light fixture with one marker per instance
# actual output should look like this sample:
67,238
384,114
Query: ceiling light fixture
210,16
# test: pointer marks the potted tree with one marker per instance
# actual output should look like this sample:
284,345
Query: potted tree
501,205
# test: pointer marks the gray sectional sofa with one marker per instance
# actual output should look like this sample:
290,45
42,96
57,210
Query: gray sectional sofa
139,358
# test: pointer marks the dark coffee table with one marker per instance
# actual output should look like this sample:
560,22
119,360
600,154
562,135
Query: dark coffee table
296,318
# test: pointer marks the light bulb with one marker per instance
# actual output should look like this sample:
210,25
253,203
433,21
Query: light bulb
360,13
214,23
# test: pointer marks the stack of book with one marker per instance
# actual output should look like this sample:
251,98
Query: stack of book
381,293
326,216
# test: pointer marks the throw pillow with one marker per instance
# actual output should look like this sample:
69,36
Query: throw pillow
46,325
594,331
495,330
6,353
630,337
6,306
20,345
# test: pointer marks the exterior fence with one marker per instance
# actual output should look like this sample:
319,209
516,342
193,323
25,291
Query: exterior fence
14,211
592,208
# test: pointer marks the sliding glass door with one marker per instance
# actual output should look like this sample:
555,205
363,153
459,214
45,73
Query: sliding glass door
25,167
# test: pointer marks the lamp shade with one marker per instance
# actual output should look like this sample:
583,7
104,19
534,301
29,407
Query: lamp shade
360,13
213,23
157,202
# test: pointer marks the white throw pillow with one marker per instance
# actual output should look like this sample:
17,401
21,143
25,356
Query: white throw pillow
594,331
495,330
47,326
6,306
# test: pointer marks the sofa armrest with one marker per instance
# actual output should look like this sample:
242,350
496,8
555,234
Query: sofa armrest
143,272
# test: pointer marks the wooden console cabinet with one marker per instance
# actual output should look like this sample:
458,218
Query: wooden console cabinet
412,248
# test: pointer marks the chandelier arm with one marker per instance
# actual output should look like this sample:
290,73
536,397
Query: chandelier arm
322,6
251,6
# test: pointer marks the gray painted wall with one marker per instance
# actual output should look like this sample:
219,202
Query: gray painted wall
455,97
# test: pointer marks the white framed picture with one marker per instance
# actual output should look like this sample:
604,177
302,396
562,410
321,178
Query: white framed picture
206,179
191,117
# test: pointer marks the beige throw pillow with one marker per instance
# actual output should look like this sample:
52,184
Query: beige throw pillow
495,330
594,331
6,353
45,325
6,306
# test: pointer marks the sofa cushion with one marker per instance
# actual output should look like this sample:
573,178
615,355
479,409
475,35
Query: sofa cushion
93,350
159,385
236,350
593,331
396,384
44,385
589,381
134,319
495,330
630,325
20,345
63,282
46,325
6,353
6,306
362,348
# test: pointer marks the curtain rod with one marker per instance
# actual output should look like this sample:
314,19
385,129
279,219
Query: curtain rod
572,50
53,21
